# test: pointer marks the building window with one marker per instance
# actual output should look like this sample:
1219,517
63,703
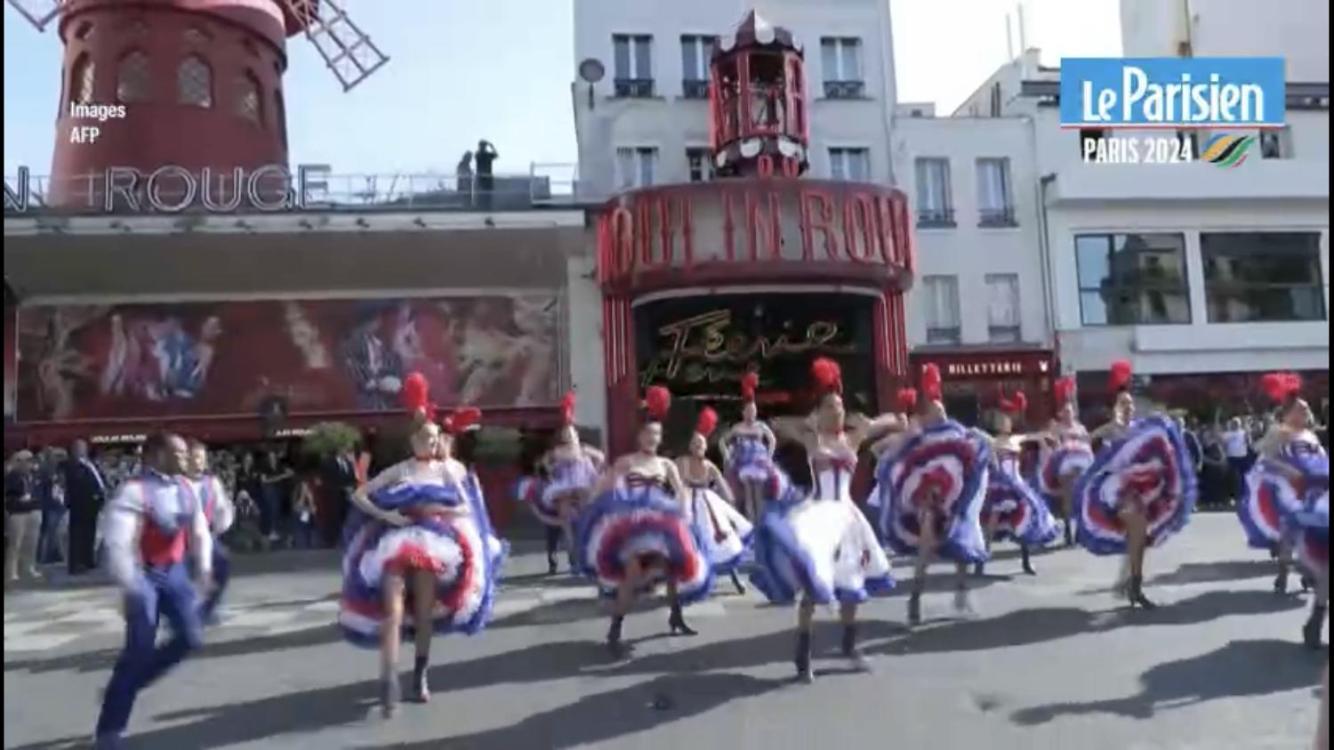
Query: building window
696,52
280,116
1089,139
636,166
132,78
1003,326
995,205
1132,279
934,204
699,162
841,58
194,82
1275,144
634,64
1262,276
249,106
852,164
942,310
81,79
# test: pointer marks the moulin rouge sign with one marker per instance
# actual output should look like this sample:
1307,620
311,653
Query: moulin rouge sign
744,225
173,189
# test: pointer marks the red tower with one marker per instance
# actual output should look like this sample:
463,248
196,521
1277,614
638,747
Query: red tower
194,83
757,102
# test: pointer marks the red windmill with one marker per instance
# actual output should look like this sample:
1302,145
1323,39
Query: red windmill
200,80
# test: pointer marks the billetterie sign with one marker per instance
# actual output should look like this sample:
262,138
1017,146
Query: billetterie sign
1173,92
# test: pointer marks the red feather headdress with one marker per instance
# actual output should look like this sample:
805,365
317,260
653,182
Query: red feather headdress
707,422
827,375
1119,378
463,419
906,400
1281,387
932,388
1014,405
657,402
749,383
1064,390
416,396
567,409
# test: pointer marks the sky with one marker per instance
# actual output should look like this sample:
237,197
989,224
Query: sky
461,70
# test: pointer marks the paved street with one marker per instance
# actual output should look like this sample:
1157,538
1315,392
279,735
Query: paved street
1050,662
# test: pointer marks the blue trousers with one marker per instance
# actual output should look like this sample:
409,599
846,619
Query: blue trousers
222,572
166,592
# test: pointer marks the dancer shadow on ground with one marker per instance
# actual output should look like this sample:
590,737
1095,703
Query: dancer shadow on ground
1215,572
610,715
1239,669
1028,626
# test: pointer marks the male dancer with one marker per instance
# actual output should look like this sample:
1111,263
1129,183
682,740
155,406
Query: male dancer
220,513
145,531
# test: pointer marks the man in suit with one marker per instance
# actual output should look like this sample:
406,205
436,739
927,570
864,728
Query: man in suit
85,491
339,482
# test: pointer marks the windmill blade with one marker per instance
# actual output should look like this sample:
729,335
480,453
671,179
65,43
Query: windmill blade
38,12
346,49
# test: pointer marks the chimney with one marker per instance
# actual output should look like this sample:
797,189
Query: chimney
1009,40
1023,33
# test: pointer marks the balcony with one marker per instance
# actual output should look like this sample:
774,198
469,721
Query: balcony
935,218
695,89
1254,179
997,217
634,88
845,89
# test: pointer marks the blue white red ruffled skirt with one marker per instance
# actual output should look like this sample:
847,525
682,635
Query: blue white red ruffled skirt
1312,518
1150,466
646,523
824,549
749,461
943,469
457,549
1013,510
1269,499
723,533
1070,459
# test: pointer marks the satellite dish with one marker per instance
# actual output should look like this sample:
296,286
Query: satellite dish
591,70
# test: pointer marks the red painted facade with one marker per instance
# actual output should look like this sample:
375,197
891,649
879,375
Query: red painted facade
760,233
146,55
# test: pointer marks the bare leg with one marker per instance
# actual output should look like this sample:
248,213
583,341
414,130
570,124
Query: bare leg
676,621
988,532
423,601
1284,558
625,598
926,546
848,615
805,613
1137,538
961,603
390,629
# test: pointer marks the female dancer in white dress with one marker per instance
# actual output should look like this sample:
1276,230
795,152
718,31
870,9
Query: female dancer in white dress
1067,452
724,533
571,470
1140,490
932,483
637,531
819,548
426,548
748,453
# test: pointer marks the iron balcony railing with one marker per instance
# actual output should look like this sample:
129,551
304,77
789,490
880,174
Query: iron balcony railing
544,186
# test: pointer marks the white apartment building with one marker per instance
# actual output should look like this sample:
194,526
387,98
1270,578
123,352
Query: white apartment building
646,120
1202,275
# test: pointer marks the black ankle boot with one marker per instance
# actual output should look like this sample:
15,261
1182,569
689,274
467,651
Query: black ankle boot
389,694
614,637
740,587
677,622
1281,582
1314,626
980,569
850,650
1069,534
1136,594
803,658
421,684
915,609
1308,583
1028,562
551,565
